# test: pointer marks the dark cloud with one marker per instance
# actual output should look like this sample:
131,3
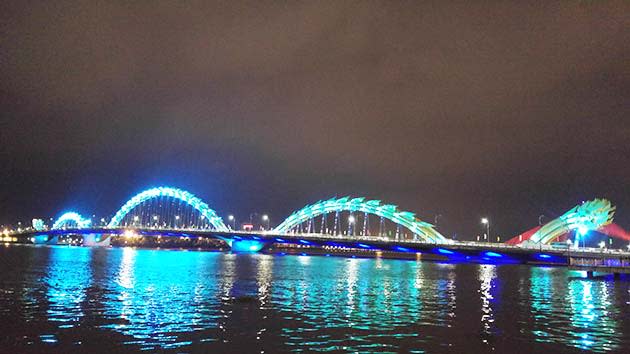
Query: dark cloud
508,110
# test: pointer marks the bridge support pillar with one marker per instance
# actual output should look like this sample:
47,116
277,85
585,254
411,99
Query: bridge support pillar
589,273
53,240
245,245
92,240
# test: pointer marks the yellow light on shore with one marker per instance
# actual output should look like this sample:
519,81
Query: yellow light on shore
130,234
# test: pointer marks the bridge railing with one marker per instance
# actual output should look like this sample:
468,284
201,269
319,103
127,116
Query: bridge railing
621,262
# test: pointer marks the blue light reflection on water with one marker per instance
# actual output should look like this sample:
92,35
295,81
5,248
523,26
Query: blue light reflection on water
159,293
572,310
199,301
67,277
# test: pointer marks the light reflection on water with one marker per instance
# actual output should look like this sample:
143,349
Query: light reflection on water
570,309
66,285
67,298
153,295
487,276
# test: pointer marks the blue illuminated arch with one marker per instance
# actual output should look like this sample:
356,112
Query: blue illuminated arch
71,217
403,218
175,193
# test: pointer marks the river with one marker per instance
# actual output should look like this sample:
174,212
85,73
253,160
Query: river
77,299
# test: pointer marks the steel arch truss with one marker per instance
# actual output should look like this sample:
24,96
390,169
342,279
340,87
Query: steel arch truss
175,193
404,218
71,217
590,215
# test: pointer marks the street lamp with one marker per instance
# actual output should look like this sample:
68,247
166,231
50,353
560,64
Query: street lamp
351,221
266,220
233,220
486,222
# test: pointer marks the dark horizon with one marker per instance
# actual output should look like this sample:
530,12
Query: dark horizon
506,111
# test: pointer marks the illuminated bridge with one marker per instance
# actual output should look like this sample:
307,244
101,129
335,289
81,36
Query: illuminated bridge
338,223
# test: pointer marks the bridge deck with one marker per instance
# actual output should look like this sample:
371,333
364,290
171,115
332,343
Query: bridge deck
583,258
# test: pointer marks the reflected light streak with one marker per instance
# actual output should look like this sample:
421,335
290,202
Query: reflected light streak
69,274
487,273
352,271
126,281
591,319
264,277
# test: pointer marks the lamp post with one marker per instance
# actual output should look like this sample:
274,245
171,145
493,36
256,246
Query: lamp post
265,218
580,235
486,222
232,219
436,220
351,221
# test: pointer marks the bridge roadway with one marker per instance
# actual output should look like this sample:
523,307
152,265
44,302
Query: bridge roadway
463,251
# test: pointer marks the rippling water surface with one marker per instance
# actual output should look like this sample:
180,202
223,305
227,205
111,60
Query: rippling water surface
75,299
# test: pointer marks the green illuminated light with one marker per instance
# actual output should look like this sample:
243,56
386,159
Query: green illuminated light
403,218
583,218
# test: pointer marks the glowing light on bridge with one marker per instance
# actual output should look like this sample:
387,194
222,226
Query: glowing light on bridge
334,205
71,219
245,245
183,196
130,234
493,254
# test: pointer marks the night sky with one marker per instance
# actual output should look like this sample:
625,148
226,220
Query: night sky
506,110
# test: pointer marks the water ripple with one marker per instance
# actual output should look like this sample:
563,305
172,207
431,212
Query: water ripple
69,297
